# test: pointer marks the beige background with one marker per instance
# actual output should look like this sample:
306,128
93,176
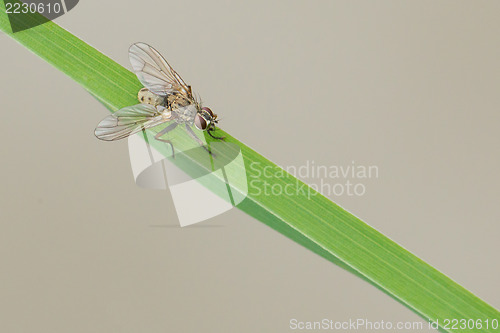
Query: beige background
409,86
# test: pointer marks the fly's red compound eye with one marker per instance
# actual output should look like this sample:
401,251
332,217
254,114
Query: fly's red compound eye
200,122
208,110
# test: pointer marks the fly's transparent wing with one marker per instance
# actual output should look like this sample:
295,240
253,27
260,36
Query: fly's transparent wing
128,121
154,72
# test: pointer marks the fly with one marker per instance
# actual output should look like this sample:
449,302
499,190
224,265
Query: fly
164,98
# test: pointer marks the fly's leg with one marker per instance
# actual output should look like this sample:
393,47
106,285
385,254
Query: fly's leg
165,131
197,139
215,137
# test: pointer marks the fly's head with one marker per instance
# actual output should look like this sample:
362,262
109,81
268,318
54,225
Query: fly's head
205,119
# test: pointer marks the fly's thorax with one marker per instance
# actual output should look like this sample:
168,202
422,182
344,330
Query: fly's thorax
176,101
147,97
185,114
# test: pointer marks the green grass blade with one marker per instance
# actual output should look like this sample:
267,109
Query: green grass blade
306,217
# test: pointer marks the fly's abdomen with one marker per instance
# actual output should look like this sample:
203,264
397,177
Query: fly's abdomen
147,97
